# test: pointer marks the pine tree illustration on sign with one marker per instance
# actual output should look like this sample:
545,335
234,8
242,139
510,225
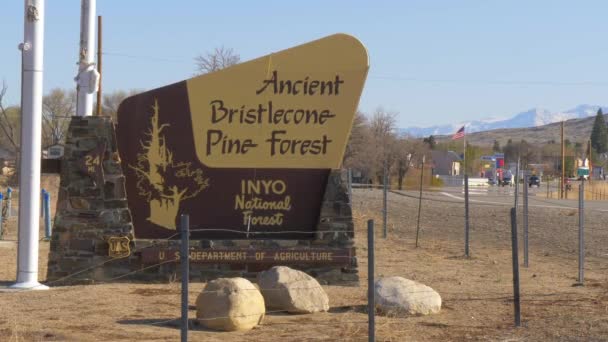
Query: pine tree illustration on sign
154,166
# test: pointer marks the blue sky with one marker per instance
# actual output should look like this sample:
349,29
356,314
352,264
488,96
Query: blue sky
431,61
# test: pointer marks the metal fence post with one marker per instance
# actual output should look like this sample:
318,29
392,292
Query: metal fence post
515,255
350,186
526,184
419,202
42,191
384,201
466,215
1,218
516,182
47,215
9,196
371,301
184,261
581,233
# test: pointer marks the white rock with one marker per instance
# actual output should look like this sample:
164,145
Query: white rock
287,289
230,304
397,295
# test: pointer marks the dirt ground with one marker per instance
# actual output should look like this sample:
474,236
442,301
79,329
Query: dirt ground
476,292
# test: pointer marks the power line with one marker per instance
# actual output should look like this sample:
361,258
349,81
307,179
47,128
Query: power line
154,58
495,82
406,78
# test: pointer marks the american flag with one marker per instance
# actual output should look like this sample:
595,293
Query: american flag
459,134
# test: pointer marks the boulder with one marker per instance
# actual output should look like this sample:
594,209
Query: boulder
230,304
397,295
291,290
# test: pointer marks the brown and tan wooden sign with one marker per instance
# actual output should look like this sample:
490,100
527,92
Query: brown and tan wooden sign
246,150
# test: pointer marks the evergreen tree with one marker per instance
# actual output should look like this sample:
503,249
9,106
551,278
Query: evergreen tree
599,134
431,142
496,147
511,152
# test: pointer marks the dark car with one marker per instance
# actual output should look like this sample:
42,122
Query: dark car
534,180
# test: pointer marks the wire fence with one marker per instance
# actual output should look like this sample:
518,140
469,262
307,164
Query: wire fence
373,201
554,227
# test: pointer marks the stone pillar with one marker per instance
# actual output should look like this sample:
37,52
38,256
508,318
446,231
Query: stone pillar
92,206
336,229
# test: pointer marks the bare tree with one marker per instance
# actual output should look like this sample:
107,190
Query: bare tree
9,122
219,59
408,152
383,125
360,153
57,108
112,101
359,135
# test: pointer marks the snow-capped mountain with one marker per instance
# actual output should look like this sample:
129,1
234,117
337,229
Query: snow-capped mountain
531,118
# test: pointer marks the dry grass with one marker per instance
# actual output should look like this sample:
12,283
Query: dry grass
596,190
476,292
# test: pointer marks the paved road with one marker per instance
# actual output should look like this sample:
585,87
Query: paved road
505,196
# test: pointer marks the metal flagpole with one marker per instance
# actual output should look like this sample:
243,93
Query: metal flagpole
464,150
88,77
99,60
31,132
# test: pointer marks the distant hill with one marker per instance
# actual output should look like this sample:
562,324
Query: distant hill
576,130
535,117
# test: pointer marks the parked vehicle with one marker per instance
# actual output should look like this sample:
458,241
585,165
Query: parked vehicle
534,181
507,178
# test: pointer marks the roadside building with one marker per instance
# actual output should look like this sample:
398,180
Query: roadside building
445,163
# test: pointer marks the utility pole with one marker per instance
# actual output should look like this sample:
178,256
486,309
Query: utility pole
87,78
32,52
563,177
99,42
